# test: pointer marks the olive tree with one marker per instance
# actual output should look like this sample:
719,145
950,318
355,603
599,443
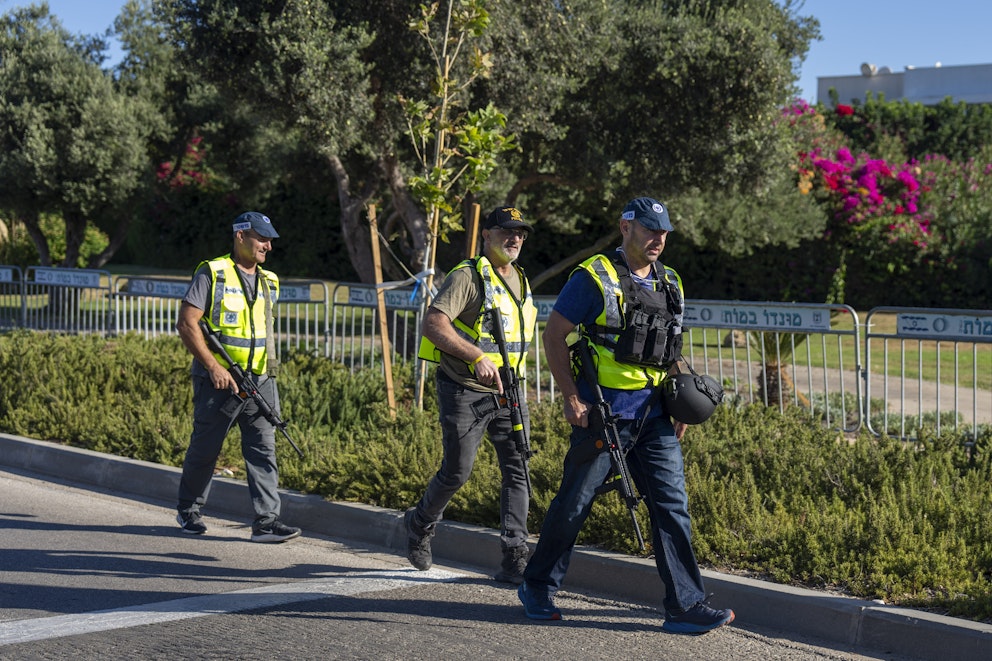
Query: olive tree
70,144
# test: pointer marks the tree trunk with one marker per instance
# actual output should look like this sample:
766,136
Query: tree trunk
116,241
32,224
75,233
775,386
353,233
413,217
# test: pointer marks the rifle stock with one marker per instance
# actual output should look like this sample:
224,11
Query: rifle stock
622,482
511,396
246,387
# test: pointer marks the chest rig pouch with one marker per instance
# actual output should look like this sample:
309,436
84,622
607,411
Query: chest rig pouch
652,322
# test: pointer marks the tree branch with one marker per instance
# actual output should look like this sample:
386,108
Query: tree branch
571,260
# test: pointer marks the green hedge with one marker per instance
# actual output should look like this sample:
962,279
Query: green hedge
772,495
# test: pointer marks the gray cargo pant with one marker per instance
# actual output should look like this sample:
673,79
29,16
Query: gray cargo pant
258,446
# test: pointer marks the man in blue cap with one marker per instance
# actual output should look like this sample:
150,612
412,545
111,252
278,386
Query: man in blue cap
234,295
628,307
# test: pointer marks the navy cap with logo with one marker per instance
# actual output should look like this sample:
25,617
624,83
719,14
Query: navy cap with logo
648,212
252,220
506,218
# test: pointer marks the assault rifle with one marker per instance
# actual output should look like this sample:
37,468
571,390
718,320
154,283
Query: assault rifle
511,396
246,387
601,417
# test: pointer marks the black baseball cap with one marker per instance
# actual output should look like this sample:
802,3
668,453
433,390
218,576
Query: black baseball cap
506,218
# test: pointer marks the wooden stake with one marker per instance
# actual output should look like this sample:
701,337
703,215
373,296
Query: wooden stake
387,352
472,233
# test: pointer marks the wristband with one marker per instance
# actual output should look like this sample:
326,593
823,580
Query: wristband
478,360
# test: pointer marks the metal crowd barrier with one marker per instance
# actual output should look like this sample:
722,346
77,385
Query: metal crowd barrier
66,300
301,316
958,342
12,301
780,354
149,306
354,328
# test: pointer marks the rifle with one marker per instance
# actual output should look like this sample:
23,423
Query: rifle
246,387
622,482
511,396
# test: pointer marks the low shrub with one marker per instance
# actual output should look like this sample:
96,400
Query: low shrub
774,494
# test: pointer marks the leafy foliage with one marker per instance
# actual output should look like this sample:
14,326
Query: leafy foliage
70,144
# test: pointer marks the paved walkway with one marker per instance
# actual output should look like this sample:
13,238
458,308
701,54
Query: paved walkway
865,626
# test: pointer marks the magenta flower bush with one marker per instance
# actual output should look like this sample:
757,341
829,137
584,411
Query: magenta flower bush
864,194
861,194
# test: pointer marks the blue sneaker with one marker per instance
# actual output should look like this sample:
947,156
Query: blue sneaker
537,606
698,619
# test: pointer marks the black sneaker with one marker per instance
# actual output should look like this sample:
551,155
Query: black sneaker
191,522
698,619
418,544
514,563
273,532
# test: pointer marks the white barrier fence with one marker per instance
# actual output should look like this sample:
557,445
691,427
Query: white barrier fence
921,366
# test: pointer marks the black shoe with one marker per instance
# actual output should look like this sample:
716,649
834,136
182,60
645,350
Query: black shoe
698,619
418,543
191,522
514,563
273,532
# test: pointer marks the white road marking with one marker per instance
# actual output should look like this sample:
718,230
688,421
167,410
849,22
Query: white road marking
43,628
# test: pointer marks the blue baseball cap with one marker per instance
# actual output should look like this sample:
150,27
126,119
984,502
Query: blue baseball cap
252,220
648,212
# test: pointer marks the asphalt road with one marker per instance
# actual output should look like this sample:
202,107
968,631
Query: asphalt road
88,574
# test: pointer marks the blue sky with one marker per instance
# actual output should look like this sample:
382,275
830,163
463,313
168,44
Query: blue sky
893,33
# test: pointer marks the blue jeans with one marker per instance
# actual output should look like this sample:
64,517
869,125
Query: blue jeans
466,415
656,467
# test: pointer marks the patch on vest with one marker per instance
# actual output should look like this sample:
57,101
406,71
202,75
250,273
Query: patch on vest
230,318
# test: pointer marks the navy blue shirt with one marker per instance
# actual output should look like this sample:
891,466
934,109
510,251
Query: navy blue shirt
581,302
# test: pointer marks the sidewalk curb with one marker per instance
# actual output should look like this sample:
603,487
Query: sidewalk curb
855,622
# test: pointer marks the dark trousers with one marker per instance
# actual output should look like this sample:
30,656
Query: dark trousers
462,432
258,446
656,467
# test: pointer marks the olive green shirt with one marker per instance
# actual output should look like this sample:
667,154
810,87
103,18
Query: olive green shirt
461,297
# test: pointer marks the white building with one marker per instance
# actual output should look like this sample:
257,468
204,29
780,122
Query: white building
971,83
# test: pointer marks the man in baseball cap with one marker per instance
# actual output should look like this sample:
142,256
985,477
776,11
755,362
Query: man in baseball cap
232,296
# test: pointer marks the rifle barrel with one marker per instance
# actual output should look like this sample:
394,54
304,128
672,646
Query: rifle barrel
618,460
246,386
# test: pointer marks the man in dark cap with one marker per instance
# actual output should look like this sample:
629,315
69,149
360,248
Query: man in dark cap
458,335
234,295
628,308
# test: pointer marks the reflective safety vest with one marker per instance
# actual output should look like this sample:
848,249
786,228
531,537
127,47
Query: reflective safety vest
614,319
242,331
518,319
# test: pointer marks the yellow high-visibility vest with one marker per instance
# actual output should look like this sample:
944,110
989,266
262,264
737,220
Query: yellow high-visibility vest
518,320
613,373
242,331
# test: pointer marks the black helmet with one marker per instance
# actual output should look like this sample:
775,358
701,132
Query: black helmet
691,398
